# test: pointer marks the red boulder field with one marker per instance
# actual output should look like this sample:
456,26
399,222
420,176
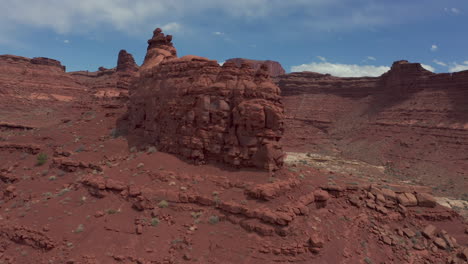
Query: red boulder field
181,160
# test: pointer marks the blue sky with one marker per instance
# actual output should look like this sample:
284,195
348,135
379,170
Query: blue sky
342,37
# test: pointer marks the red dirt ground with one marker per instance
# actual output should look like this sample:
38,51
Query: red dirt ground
95,201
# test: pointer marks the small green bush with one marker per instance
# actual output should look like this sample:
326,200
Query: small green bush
214,219
41,159
79,229
154,221
163,204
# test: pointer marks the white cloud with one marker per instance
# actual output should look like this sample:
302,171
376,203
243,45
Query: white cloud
322,58
342,70
455,67
131,16
434,47
217,33
428,67
66,41
172,27
221,63
441,63
465,62
371,58
452,10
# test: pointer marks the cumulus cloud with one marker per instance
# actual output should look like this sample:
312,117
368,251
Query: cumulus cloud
67,16
428,67
441,63
455,67
172,27
342,70
322,58
434,47
66,41
221,63
452,10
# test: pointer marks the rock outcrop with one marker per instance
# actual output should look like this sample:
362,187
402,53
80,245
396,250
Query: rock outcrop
274,67
48,62
410,120
193,107
126,62
111,82
26,79
160,48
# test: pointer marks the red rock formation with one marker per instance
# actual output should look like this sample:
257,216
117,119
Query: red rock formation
126,63
27,79
275,68
48,62
411,120
160,48
110,82
193,107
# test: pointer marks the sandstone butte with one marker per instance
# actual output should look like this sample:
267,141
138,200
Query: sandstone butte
196,108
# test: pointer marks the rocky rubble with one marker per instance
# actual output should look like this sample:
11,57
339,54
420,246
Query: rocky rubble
193,107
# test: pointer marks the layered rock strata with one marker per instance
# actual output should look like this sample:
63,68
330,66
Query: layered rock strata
410,120
193,107
274,67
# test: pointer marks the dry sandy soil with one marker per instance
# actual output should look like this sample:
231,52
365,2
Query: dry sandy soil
93,200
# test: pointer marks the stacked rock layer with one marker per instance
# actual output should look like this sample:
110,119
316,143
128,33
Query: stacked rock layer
193,107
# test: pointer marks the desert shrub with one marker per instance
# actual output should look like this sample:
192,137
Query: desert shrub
154,221
163,204
213,219
41,159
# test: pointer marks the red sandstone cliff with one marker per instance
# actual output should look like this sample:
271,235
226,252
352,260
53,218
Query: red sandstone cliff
110,82
412,120
193,107
27,80
274,67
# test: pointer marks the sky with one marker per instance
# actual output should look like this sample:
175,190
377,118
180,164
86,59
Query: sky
341,37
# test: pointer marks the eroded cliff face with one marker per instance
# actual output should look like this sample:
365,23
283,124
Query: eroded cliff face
193,107
274,67
113,82
26,80
412,121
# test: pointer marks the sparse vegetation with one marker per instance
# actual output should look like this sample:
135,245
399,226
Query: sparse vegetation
81,148
154,221
163,204
196,215
214,219
41,159
152,150
112,211
63,191
79,229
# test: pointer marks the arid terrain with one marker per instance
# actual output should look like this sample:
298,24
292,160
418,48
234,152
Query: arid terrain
181,160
